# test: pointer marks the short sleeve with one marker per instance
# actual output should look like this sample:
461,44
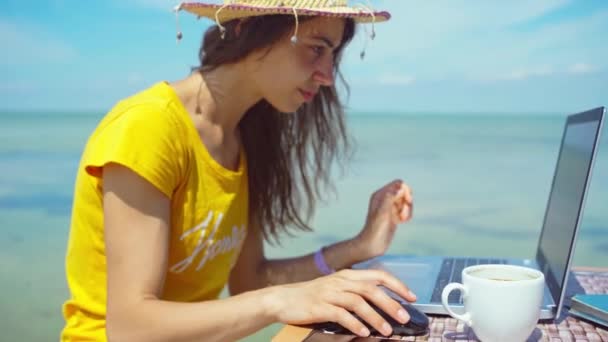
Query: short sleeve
144,138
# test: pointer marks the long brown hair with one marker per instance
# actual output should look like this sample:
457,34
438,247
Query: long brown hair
289,157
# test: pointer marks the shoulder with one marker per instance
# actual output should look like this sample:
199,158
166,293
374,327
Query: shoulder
153,105
145,133
152,113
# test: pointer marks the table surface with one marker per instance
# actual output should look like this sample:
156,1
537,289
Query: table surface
445,328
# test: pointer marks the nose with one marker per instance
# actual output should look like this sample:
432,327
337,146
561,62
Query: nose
324,74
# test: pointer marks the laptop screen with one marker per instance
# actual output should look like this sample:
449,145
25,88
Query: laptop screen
565,204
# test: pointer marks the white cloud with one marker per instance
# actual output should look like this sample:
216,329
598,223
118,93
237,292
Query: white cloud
24,44
520,74
423,25
489,40
581,68
394,79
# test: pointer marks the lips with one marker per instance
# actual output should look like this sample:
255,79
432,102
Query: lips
307,95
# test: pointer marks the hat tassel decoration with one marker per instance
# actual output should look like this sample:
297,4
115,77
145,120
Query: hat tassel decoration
239,9
371,36
179,34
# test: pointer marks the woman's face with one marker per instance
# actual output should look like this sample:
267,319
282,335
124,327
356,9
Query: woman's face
291,74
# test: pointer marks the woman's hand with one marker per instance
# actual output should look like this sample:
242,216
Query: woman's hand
335,297
389,206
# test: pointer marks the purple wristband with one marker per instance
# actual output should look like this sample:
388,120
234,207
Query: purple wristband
321,264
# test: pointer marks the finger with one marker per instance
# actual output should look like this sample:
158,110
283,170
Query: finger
394,184
348,321
393,196
409,195
405,203
398,199
396,214
407,212
390,190
384,302
379,198
355,303
404,212
405,192
390,187
381,278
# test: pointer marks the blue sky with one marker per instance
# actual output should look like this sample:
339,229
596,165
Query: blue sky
451,56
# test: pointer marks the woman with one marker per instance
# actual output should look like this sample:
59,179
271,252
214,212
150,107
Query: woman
180,184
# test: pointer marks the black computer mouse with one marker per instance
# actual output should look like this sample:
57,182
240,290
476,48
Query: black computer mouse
416,326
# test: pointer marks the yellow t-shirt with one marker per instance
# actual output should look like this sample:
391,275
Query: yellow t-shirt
152,134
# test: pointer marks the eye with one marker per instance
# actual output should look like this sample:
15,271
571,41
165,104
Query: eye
318,49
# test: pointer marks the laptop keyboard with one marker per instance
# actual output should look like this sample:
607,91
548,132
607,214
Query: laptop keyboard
451,272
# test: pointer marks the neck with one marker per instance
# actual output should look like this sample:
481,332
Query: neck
220,97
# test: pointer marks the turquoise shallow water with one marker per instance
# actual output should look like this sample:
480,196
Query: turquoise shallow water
481,183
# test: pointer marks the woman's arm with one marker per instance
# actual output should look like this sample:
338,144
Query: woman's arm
389,206
136,223
253,271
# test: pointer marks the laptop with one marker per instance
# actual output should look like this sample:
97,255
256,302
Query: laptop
428,275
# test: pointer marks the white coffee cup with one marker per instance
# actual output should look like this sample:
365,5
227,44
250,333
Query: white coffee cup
502,302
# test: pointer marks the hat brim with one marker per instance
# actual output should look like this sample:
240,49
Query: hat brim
230,12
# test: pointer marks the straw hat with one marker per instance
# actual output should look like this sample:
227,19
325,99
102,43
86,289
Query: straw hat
235,9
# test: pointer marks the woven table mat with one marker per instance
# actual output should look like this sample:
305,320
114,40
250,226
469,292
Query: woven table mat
566,328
